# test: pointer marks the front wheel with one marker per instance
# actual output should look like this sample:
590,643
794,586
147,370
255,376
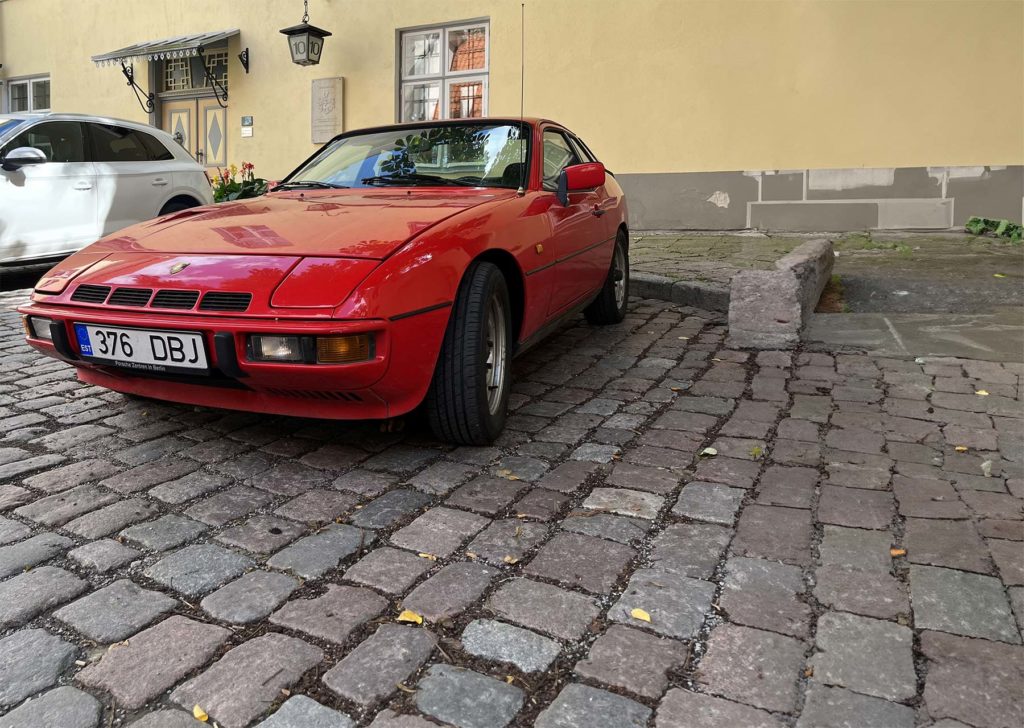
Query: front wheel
610,305
468,398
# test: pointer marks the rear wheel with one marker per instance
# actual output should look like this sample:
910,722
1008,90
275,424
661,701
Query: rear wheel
468,398
610,305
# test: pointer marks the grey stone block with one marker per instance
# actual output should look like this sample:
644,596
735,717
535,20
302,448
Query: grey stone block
115,612
313,556
332,616
868,656
450,591
676,604
961,603
827,707
684,709
299,711
65,707
581,706
250,597
103,555
164,533
373,669
24,596
544,608
196,570
19,556
633,660
466,698
31,660
492,640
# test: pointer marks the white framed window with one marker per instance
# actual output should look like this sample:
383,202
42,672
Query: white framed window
29,94
444,72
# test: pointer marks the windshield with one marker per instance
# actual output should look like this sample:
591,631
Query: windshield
9,125
471,155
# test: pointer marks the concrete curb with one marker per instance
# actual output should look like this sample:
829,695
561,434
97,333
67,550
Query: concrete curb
769,308
684,293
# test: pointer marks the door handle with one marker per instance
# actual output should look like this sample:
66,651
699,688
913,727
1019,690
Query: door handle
84,186
159,182
597,211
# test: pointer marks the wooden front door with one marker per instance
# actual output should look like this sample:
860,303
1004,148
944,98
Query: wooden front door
200,126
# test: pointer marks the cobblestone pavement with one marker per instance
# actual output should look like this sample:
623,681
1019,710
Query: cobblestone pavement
848,553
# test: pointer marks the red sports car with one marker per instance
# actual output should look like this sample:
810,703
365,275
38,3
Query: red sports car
397,266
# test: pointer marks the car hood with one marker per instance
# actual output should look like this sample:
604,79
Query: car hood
358,223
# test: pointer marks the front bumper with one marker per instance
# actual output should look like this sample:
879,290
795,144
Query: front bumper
234,381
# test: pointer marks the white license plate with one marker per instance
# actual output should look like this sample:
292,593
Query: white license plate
143,349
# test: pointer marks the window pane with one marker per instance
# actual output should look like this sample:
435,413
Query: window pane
60,141
421,53
41,95
217,63
421,101
155,148
116,144
467,49
557,156
19,97
466,99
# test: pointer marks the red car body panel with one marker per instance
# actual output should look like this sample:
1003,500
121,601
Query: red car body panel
383,261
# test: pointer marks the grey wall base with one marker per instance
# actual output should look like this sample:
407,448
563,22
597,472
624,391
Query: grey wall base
824,200
683,293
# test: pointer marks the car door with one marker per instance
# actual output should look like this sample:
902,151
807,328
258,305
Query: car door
132,185
576,231
48,209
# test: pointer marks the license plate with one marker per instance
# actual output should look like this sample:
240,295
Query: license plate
143,349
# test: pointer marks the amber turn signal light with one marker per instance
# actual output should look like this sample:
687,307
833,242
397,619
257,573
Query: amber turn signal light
343,349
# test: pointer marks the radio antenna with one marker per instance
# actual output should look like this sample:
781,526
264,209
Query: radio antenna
522,94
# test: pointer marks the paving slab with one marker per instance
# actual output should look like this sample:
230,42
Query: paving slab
30,661
65,706
115,612
493,640
582,705
467,699
373,670
961,603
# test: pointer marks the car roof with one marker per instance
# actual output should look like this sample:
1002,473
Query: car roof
64,116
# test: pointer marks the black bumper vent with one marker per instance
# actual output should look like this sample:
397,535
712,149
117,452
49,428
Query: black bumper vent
130,297
90,294
175,299
235,302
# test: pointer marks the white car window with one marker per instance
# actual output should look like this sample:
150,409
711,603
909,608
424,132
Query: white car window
60,141
120,144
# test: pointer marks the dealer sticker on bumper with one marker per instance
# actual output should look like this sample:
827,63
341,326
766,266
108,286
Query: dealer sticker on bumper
143,349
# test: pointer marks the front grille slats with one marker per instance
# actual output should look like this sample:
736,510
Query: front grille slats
175,299
235,302
130,297
165,298
315,394
87,293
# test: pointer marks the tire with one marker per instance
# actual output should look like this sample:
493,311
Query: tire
177,206
610,305
467,402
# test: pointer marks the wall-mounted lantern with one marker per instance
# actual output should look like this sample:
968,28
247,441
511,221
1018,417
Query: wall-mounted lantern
305,41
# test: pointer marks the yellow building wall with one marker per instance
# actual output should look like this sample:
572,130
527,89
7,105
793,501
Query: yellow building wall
652,85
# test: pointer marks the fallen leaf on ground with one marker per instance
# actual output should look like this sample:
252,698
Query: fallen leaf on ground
981,393
960,448
998,275
897,552
509,679
410,616
756,452
708,452
404,688
809,672
510,559
638,613
427,556
199,714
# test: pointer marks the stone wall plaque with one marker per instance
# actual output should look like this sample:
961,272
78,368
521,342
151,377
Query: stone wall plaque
327,117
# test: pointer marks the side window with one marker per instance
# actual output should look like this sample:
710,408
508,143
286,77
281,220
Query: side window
117,144
557,156
60,141
157,151
581,150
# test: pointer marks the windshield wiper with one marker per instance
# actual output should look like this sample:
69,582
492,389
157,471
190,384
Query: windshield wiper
415,177
315,184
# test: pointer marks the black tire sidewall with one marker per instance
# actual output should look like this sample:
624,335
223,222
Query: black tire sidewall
493,423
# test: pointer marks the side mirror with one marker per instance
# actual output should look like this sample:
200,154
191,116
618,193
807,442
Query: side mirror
579,177
22,156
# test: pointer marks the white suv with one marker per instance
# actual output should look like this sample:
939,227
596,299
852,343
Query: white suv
67,180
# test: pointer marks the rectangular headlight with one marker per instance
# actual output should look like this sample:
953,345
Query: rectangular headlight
276,348
38,327
343,349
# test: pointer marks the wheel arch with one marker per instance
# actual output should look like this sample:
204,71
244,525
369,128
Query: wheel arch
181,198
513,275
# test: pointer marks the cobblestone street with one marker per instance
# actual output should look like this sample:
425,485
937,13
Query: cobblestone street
669,533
